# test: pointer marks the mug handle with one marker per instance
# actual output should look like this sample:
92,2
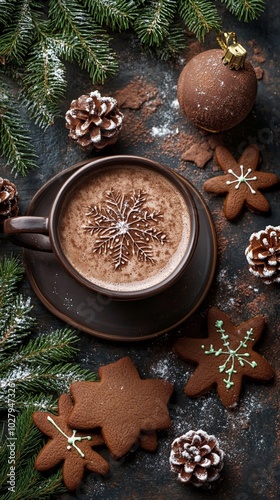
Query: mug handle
29,232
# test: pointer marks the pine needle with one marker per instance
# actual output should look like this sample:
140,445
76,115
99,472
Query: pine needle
15,143
152,23
18,34
91,43
11,273
15,319
172,45
45,349
245,10
118,14
200,16
6,10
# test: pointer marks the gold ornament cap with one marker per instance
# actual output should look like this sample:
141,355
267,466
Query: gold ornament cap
235,54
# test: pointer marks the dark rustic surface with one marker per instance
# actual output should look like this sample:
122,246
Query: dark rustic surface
249,434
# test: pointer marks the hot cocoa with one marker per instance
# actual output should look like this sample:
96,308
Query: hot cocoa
126,228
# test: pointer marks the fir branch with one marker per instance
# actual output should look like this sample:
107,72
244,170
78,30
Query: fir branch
31,378
15,319
11,273
46,69
38,366
18,35
172,45
55,378
15,144
114,13
38,402
91,43
153,22
45,349
245,10
31,485
34,486
28,437
6,10
200,16
15,324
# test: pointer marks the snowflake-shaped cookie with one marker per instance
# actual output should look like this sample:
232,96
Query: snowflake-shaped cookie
225,357
241,182
124,228
123,406
69,446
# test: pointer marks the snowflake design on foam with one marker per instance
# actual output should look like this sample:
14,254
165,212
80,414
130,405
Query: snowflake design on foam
124,228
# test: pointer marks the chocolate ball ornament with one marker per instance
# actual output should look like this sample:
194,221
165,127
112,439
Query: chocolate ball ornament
217,88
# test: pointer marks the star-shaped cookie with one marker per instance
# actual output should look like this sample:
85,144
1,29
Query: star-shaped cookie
66,445
122,404
241,182
225,357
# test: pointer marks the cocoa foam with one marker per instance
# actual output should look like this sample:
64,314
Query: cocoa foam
159,195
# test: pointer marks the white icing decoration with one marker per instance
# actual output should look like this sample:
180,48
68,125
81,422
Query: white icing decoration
242,178
71,440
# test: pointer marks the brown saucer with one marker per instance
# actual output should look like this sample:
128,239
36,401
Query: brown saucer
125,320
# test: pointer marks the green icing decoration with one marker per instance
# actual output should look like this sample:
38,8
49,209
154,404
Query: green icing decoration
71,440
233,354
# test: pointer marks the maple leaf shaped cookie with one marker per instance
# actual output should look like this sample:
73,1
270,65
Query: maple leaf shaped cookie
122,404
241,182
66,445
225,357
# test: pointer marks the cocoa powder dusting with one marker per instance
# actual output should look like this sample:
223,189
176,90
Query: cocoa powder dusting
138,101
136,94
134,130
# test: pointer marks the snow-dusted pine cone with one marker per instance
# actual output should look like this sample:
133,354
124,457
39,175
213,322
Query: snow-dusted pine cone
263,254
197,458
9,198
94,121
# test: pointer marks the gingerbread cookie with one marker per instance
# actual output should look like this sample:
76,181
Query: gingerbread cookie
122,405
241,182
225,357
66,445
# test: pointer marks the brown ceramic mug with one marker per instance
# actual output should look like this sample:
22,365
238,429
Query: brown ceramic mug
123,226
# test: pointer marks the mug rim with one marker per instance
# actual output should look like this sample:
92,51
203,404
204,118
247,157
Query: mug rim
115,161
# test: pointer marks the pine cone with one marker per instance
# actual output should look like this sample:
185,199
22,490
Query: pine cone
263,254
94,121
197,458
9,198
